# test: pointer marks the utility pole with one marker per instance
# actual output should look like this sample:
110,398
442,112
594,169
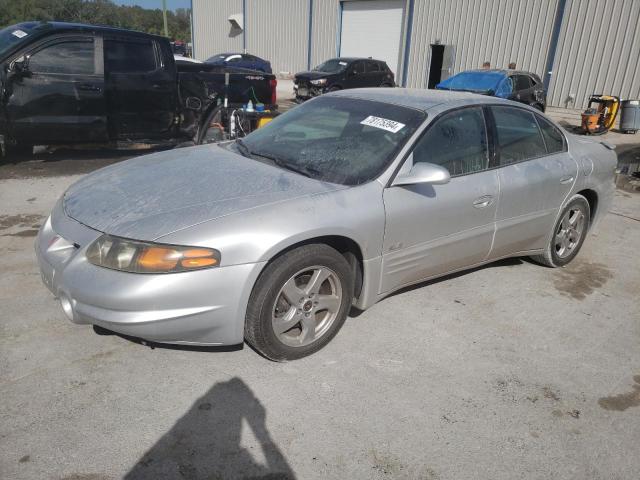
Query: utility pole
164,17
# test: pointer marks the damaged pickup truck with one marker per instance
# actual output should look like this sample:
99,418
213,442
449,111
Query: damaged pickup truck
63,83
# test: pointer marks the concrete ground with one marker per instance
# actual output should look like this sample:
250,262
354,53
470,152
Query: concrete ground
508,371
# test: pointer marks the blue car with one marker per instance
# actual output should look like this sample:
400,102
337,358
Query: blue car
523,87
242,60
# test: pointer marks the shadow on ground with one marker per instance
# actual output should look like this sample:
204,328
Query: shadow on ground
205,442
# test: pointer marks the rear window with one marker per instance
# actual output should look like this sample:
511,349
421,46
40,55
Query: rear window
553,137
519,137
129,56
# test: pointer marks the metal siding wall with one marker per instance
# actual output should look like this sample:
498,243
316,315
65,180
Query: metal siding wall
498,31
598,52
277,30
212,30
324,39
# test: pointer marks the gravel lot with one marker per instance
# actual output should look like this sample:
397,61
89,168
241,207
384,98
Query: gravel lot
508,371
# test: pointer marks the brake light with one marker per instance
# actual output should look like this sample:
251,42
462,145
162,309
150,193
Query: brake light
273,83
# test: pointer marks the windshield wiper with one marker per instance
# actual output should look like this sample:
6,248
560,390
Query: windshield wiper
244,150
305,171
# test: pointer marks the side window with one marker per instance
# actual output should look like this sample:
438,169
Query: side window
70,57
505,88
553,138
519,137
533,81
358,67
457,141
373,67
523,82
129,56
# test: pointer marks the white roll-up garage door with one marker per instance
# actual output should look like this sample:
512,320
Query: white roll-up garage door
372,28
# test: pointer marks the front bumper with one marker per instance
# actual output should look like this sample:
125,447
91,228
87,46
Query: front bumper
305,91
203,307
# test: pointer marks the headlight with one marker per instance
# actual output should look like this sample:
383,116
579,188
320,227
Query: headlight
320,81
142,257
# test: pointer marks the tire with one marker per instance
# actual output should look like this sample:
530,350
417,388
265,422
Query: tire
538,107
386,85
306,324
564,244
334,89
18,151
201,137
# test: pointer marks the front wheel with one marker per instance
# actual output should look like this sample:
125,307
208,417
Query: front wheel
568,234
299,303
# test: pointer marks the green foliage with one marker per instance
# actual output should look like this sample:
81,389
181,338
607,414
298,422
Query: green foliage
97,12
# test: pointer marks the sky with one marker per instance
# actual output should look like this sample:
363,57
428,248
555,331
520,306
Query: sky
171,4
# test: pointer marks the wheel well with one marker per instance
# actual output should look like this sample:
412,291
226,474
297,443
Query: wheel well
592,198
346,246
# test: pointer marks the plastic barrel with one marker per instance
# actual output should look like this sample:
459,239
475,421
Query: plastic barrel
630,116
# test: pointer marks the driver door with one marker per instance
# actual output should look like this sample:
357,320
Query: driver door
59,96
435,229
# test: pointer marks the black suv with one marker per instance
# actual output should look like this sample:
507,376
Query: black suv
342,73
517,85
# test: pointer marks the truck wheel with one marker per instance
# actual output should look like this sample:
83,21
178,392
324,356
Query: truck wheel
568,234
334,89
299,303
17,151
211,130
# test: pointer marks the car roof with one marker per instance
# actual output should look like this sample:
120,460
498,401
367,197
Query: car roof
421,99
54,27
353,59
502,71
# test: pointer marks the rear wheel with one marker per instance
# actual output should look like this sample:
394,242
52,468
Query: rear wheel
568,234
299,303
333,89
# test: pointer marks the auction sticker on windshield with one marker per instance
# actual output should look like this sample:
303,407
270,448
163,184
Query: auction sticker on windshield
19,33
383,123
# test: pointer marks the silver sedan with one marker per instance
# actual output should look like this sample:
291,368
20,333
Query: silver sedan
271,239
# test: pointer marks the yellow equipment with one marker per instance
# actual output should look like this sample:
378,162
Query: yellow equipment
599,119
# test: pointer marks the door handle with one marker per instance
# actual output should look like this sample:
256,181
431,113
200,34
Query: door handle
565,180
482,202
89,88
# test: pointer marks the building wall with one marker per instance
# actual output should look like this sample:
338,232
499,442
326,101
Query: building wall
324,39
598,48
598,52
497,31
212,32
278,30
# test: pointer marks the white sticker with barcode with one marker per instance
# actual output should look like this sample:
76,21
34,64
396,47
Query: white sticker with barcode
19,33
383,123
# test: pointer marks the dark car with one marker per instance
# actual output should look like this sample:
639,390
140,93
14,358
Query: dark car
63,83
241,60
179,48
340,74
521,86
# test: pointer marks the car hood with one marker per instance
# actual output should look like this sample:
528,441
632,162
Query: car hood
151,196
312,75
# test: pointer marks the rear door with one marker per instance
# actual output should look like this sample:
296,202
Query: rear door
375,75
141,88
356,75
60,97
434,229
536,175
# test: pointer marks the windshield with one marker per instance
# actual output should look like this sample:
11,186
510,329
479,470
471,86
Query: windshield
334,65
334,139
15,34
472,81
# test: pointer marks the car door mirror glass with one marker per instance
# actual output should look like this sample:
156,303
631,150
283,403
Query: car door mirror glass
423,172
20,65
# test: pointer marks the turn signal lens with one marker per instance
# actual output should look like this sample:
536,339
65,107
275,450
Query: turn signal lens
141,257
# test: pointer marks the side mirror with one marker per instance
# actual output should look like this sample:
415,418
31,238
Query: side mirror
423,172
20,65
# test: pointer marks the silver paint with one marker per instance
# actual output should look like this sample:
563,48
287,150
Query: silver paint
250,212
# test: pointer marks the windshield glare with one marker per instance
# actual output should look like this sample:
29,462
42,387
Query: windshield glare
15,34
472,81
334,65
335,139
